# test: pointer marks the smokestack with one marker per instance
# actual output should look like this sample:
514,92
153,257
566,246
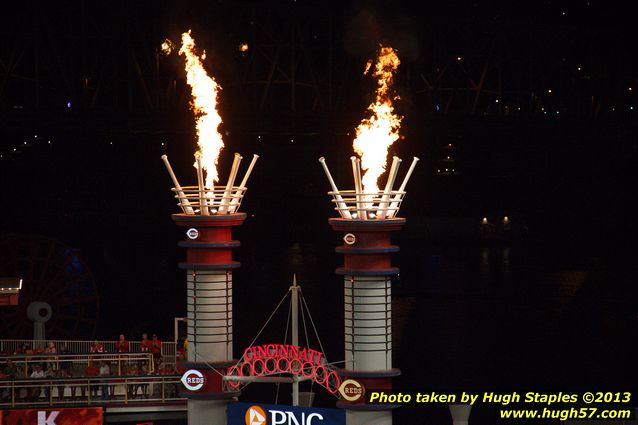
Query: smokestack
367,278
209,279
367,222
460,413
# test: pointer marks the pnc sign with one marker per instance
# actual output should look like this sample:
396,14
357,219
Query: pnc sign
255,415
193,380
273,414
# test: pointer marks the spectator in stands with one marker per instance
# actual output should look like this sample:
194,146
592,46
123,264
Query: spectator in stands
145,344
122,346
97,347
156,350
51,364
163,369
38,373
21,349
8,372
65,363
131,373
169,390
49,374
181,356
105,372
24,349
10,369
182,347
74,384
144,373
90,372
21,393
61,374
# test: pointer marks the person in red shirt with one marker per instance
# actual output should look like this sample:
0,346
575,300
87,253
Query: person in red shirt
122,346
131,373
97,347
156,350
20,350
89,372
145,344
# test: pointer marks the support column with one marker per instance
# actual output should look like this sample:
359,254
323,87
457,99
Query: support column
209,282
367,273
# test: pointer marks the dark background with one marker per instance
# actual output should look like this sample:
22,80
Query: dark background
88,105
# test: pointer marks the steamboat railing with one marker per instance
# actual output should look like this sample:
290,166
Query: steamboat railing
10,346
84,391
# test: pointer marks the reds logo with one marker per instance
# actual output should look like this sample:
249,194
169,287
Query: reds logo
351,390
193,380
350,239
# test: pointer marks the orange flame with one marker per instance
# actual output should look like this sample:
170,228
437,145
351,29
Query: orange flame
167,47
204,105
377,133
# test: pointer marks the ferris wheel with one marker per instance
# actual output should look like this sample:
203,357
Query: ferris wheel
53,274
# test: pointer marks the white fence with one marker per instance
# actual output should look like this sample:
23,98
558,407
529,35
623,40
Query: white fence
9,346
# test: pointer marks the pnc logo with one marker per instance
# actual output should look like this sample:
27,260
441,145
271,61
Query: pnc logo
193,380
255,415
351,390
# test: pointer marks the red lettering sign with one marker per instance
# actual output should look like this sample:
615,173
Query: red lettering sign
273,359
80,416
280,350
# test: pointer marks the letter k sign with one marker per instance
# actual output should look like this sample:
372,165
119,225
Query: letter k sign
43,420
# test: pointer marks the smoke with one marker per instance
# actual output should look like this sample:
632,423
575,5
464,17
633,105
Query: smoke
369,27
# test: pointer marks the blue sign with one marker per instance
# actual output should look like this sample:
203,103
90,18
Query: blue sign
279,414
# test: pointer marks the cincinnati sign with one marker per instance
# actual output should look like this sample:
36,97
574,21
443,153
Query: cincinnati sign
272,359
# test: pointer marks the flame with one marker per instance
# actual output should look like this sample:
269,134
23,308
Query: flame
377,133
204,105
167,47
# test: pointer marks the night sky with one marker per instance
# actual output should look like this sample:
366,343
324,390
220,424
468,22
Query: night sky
534,102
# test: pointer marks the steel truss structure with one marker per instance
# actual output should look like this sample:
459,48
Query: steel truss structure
287,59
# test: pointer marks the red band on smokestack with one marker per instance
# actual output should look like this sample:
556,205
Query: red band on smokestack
213,246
